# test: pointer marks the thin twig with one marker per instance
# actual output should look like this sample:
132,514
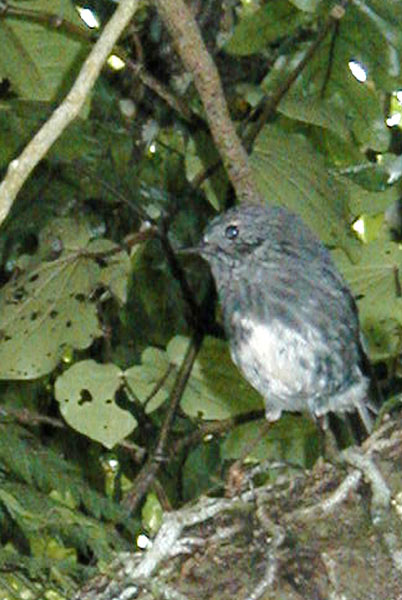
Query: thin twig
158,88
51,20
216,428
270,103
147,474
26,417
193,314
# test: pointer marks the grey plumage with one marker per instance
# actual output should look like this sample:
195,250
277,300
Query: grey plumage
289,316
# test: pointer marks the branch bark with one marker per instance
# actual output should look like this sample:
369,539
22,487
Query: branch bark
196,59
330,533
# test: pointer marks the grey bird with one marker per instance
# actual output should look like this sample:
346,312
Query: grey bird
289,317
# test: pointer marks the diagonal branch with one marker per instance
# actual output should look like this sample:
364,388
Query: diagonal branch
147,474
20,168
196,59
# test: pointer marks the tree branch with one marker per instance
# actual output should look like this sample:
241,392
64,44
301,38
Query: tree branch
196,59
147,474
20,168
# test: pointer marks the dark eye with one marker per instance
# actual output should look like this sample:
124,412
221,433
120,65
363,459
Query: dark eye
231,232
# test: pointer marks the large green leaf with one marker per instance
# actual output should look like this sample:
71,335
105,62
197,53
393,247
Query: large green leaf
370,32
375,281
37,59
86,393
293,439
315,111
48,308
254,32
216,389
209,390
361,35
290,172
366,33
146,378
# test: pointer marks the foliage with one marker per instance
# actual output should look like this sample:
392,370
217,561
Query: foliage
94,319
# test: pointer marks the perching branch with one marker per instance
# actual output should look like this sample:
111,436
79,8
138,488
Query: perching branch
20,168
294,537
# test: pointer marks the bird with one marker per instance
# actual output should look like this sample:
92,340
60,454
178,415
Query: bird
290,319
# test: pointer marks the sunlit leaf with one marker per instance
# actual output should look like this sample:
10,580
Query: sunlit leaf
86,394
48,307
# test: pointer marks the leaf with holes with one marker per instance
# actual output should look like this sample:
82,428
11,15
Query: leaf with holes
86,393
48,308
115,268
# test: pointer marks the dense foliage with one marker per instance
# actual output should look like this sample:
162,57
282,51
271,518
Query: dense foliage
97,308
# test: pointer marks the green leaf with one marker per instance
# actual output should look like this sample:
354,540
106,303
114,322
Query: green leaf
210,389
364,36
256,31
315,111
201,470
292,438
39,61
369,34
86,394
143,379
374,281
290,172
152,513
362,201
327,75
48,308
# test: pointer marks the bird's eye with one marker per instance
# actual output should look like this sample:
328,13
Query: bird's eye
231,232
